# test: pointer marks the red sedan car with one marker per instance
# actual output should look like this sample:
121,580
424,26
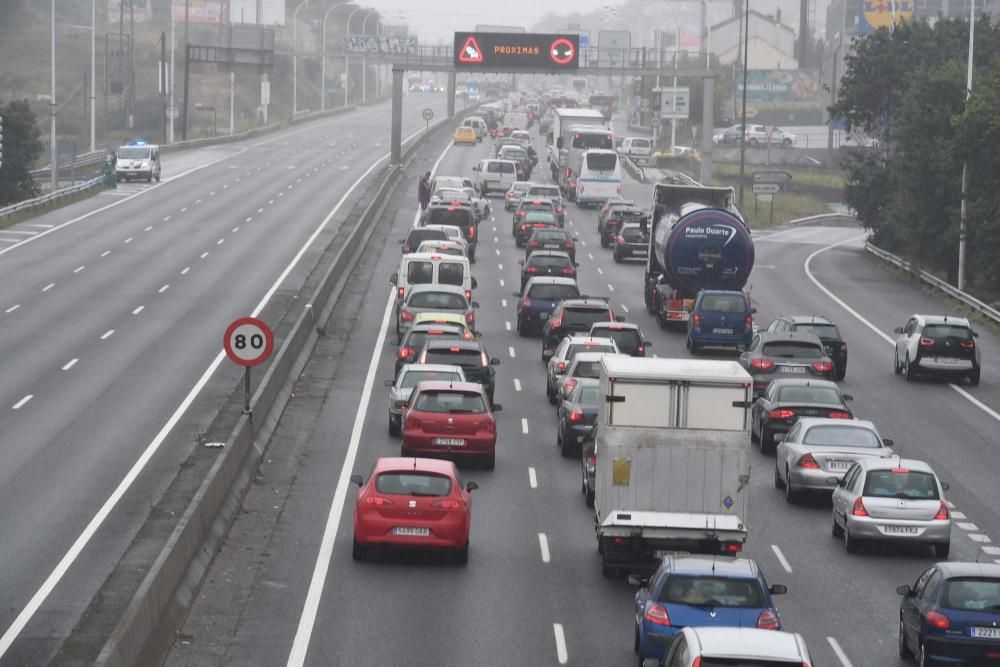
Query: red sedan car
452,418
413,503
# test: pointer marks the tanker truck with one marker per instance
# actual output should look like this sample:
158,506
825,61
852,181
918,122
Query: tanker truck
698,240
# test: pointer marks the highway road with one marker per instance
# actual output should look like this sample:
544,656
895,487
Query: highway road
111,321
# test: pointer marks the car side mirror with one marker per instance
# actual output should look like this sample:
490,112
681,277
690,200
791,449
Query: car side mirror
515,294
520,262
945,486
777,589
358,479
753,311
779,437
888,442
975,334
904,590
475,168
393,279
474,283
576,265
494,362
619,318
847,397
840,481
390,383
647,343
474,304
898,330
636,580
497,407
471,486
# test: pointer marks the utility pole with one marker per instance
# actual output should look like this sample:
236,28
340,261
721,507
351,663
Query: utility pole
131,65
53,153
187,70
173,48
93,76
743,115
965,165
164,82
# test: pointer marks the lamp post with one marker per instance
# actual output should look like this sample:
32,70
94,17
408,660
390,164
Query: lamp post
965,164
53,153
364,58
322,102
347,59
93,71
743,113
295,57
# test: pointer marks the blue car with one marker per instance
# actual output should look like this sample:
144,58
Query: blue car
701,591
951,615
720,319
539,298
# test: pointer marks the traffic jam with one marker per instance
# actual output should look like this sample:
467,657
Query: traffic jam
661,445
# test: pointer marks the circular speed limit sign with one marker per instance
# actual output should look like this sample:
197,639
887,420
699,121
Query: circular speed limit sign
248,341
427,113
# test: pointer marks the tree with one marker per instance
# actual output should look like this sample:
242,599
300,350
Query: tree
21,148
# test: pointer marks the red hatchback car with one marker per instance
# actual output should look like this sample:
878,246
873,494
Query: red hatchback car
452,418
413,503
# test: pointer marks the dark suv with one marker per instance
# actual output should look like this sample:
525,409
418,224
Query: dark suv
418,235
469,354
550,239
573,316
539,298
547,263
774,355
462,217
822,327
627,336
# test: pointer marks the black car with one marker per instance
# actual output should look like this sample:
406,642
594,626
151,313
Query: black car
827,331
528,224
773,355
418,235
573,316
414,339
630,243
588,466
627,336
550,239
609,224
469,354
577,415
787,400
553,194
539,298
547,263
463,217
528,205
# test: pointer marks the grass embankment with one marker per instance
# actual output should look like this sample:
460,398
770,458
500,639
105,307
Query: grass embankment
808,193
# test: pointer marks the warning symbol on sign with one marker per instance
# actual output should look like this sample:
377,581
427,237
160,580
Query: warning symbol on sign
471,53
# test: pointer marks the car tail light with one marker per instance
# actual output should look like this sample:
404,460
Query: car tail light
405,352
762,364
592,460
470,317
423,357
768,620
568,271
569,384
900,470
781,413
534,242
378,501
559,209
576,416
483,359
968,344
859,508
619,188
696,320
749,321
843,347
406,315
926,342
641,350
556,323
468,294
568,172
732,547
839,414
562,366
570,244
823,366
472,231
526,302
579,187
521,214
524,227
621,240
937,620
657,615
531,269
807,461
942,514
401,292
448,505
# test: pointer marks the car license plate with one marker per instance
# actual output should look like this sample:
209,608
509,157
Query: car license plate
723,332
986,633
543,316
793,369
838,465
411,532
900,530
551,245
947,360
450,442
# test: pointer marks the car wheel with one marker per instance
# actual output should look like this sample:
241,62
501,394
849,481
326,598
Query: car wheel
393,427
589,498
778,484
904,650
922,658
551,395
615,256
835,529
908,371
462,555
604,242
791,494
608,571
942,549
752,141
767,444
851,545
896,367
693,347
787,143
841,373
974,378
564,448
358,551
753,431
490,461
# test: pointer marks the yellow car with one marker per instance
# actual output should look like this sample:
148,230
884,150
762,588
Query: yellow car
465,135
446,318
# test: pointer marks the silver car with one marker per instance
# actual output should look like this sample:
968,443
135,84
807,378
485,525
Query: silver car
734,646
409,376
898,500
583,365
567,349
434,298
816,452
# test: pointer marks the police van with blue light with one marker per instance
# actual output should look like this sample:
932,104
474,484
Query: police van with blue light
138,160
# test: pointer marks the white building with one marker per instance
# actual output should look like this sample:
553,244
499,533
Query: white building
771,42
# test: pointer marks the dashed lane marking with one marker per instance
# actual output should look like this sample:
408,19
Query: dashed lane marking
70,364
781,558
561,654
22,402
543,546
517,385
107,334
524,425
532,477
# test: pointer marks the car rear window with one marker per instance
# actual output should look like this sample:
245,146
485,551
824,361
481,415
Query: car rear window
588,140
793,349
463,357
723,303
412,378
578,317
588,369
451,273
434,247
712,592
572,350
900,483
821,330
451,402
437,300
640,143
797,394
841,436
589,395
545,192
551,235
541,218
134,153
634,235
627,340
412,484
947,331
420,273
537,206
500,168
416,339
602,161
972,594
451,215
548,261
554,292
418,236
707,661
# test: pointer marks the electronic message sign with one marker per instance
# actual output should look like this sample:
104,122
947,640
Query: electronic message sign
516,51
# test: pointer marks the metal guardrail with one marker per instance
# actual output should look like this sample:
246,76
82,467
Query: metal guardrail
934,281
633,168
85,160
50,198
823,218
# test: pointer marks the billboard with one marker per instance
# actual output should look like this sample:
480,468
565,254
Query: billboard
884,13
782,86
198,11
245,11
505,51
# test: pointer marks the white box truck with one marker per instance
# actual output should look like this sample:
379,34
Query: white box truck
673,459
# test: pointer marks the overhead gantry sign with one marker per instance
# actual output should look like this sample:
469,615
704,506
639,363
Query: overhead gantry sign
516,52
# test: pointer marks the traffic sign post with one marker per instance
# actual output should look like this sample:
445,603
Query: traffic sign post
248,342
766,184
655,121
766,188
427,113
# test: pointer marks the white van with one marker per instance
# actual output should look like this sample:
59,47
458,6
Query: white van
637,148
432,269
517,119
600,177
477,124
495,176
138,160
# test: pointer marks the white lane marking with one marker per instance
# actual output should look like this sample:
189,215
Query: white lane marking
248,219
582,242
624,308
591,256
964,394
20,404
15,231
105,253
966,525
498,251
79,269
507,324
70,365
235,229
611,288
166,219
300,645
203,255
561,654
532,477
501,282
148,228
13,308
197,201
39,224
184,209
48,287
220,241
260,210
107,334
128,240
270,201
844,660
543,546
497,240
503,302
979,537
950,504
524,425
211,194
958,516
781,558
281,194
571,222
501,266
599,270
510,351
517,385
163,289
138,310
185,270
992,551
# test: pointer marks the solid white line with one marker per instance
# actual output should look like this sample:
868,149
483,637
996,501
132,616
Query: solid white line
13,308
781,558
517,385
107,334
19,404
48,287
138,310
70,364
95,523
844,660
543,545
78,269
624,308
561,655
524,425
532,477
964,394
310,608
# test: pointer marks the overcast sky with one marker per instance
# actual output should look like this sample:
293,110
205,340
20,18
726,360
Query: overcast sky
434,20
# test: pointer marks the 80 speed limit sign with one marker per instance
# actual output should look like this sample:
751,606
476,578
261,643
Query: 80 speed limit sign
248,341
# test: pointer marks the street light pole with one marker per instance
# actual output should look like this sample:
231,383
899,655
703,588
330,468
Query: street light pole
322,85
364,57
965,165
173,46
53,153
93,72
743,113
295,57
347,59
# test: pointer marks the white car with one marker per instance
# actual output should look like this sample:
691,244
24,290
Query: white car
763,134
941,345
636,148
734,646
